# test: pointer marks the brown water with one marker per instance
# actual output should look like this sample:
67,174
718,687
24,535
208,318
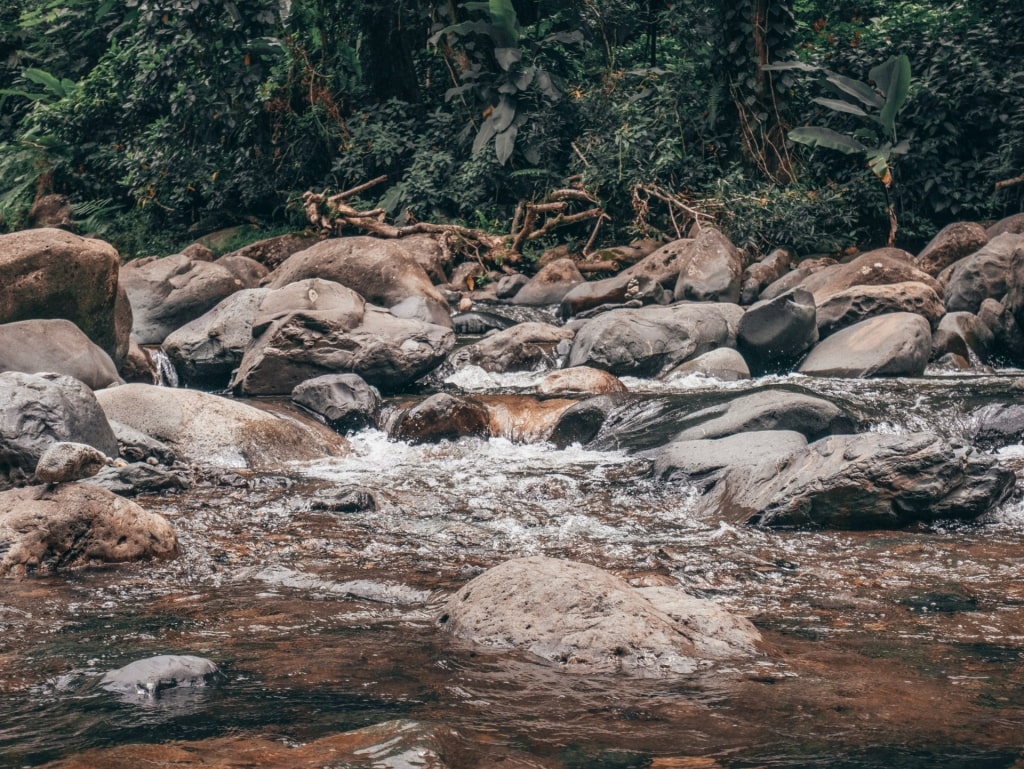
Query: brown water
900,649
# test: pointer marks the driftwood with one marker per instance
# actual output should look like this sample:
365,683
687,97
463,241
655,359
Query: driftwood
682,213
332,213
1010,182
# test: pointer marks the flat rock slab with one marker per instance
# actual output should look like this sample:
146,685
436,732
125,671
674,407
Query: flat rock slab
809,415
73,525
866,481
700,458
586,621
897,344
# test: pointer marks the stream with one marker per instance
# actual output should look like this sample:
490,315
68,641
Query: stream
887,648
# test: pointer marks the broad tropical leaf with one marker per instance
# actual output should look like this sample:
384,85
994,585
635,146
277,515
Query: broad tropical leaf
504,143
893,79
840,106
815,136
862,92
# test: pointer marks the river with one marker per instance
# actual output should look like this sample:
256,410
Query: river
886,649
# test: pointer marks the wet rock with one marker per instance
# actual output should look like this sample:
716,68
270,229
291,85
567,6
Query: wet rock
140,478
808,415
774,334
650,340
952,243
897,344
73,525
345,401
206,350
861,481
550,285
63,462
763,273
1014,300
796,277
315,327
586,621
150,677
982,275
510,285
1013,224
963,334
442,417
702,458
136,446
479,323
38,410
248,271
523,418
523,347
853,305
662,265
349,499
723,363
1008,338
383,272
211,430
711,270
997,425
580,379
581,422
57,346
167,293
610,291
50,273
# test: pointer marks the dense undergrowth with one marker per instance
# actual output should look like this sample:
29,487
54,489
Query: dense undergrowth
163,120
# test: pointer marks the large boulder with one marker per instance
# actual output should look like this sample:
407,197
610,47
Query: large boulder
650,340
441,417
523,347
864,481
874,268
248,271
1014,300
37,411
315,327
963,334
853,305
771,410
1012,224
270,252
982,275
996,425
723,363
580,379
57,346
711,270
549,286
383,272
50,273
952,243
897,344
206,350
585,620
774,333
662,265
762,273
619,289
345,401
211,430
796,277
73,525
703,458
167,293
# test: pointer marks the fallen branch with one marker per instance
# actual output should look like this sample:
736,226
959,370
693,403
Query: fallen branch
1010,182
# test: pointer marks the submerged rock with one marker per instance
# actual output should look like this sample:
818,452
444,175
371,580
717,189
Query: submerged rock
861,481
150,677
809,415
73,525
580,379
586,621
723,363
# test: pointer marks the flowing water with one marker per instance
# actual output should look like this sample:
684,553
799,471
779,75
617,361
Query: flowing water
887,649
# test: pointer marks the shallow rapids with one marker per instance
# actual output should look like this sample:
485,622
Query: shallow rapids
897,648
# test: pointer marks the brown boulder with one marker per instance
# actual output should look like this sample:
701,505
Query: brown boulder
580,379
523,347
859,303
442,417
875,268
663,264
711,271
952,243
550,285
50,273
57,346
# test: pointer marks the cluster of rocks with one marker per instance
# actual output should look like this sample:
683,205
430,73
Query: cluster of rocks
333,325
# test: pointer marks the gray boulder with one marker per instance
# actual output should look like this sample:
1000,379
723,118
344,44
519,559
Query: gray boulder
650,340
37,411
723,363
880,267
167,293
345,401
510,285
140,478
610,291
383,272
523,347
550,285
762,273
773,334
997,425
206,350
703,458
952,243
711,270
57,346
583,620
982,275
772,410
313,327
897,344
853,305
796,277
248,271
1012,224
963,334
215,431
63,462
74,525
861,481
663,265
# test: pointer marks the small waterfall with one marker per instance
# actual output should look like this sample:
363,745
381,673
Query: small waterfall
164,373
